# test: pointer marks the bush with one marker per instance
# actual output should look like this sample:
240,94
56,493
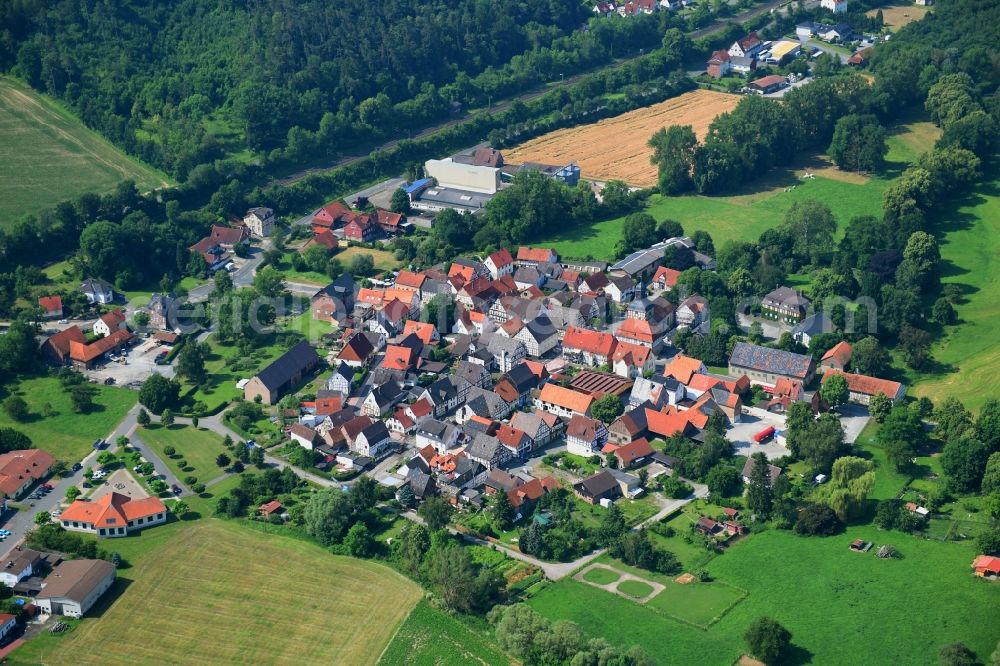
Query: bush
817,520
190,480
169,451
198,488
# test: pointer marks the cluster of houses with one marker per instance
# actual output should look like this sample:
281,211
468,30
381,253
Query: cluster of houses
534,343
637,7
219,247
68,588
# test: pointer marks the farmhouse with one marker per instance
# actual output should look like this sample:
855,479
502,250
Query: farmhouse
113,515
282,375
51,306
329,216
862,388
585,436
593,489
837,357
74,586
748,47
764,366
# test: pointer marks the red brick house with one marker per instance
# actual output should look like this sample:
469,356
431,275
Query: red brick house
329,216
361,228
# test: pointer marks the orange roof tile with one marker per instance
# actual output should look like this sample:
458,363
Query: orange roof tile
534,253
398,358
867,385
637,329
423,330
410,279
16,467
840,352
638,355
585,339
112,510
682,368
668,276
565,398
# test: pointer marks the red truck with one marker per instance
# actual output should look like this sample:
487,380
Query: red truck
764,435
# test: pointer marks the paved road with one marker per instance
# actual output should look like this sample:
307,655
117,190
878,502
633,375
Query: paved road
242,276
163,472
558,570
22,522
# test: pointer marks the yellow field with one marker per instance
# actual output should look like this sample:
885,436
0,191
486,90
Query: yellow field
218,593
896,17
616,148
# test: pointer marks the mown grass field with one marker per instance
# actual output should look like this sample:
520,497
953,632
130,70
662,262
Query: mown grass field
220,387
432,637
197,447
64,433
216,592
762,203
47,155
968,354
841,607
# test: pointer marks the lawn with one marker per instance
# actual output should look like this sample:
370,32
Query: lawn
635,588
312,329
601,576
432,637
198,448
968,356
384,260
837,604
226,366
64,433
194,600
48,156
762,203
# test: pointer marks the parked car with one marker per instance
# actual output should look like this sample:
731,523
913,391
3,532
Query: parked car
175,489
76,467
56,513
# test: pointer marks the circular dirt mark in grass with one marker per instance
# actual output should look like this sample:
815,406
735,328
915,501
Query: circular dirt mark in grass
601,576
635,588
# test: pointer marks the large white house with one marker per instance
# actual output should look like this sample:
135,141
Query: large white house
113,515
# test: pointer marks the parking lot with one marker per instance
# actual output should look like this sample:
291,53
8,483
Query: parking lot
741,435
134,366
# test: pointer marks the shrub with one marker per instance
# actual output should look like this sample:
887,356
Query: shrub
817,520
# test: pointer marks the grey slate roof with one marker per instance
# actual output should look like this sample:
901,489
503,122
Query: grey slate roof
297,359
774,361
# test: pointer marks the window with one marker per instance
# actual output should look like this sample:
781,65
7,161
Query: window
111,521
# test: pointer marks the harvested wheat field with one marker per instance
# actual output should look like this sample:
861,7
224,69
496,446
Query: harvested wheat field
615,148
896,17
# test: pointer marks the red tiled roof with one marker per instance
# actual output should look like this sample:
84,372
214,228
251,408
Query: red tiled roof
987,564
565,398
501,258
61,341
112,510
51,303
637,329
16,467
629,453
866,385
585,339
324,238
410,279
840,352
327,406
534,253
583,427
78,351
113,319
682,368
229,235
423,330
668,275
421,407
388,218
330,213
785,387
267,508
531,491
511,437
398,358
632,354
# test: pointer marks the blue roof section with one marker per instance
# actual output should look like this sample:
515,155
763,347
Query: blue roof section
416,185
